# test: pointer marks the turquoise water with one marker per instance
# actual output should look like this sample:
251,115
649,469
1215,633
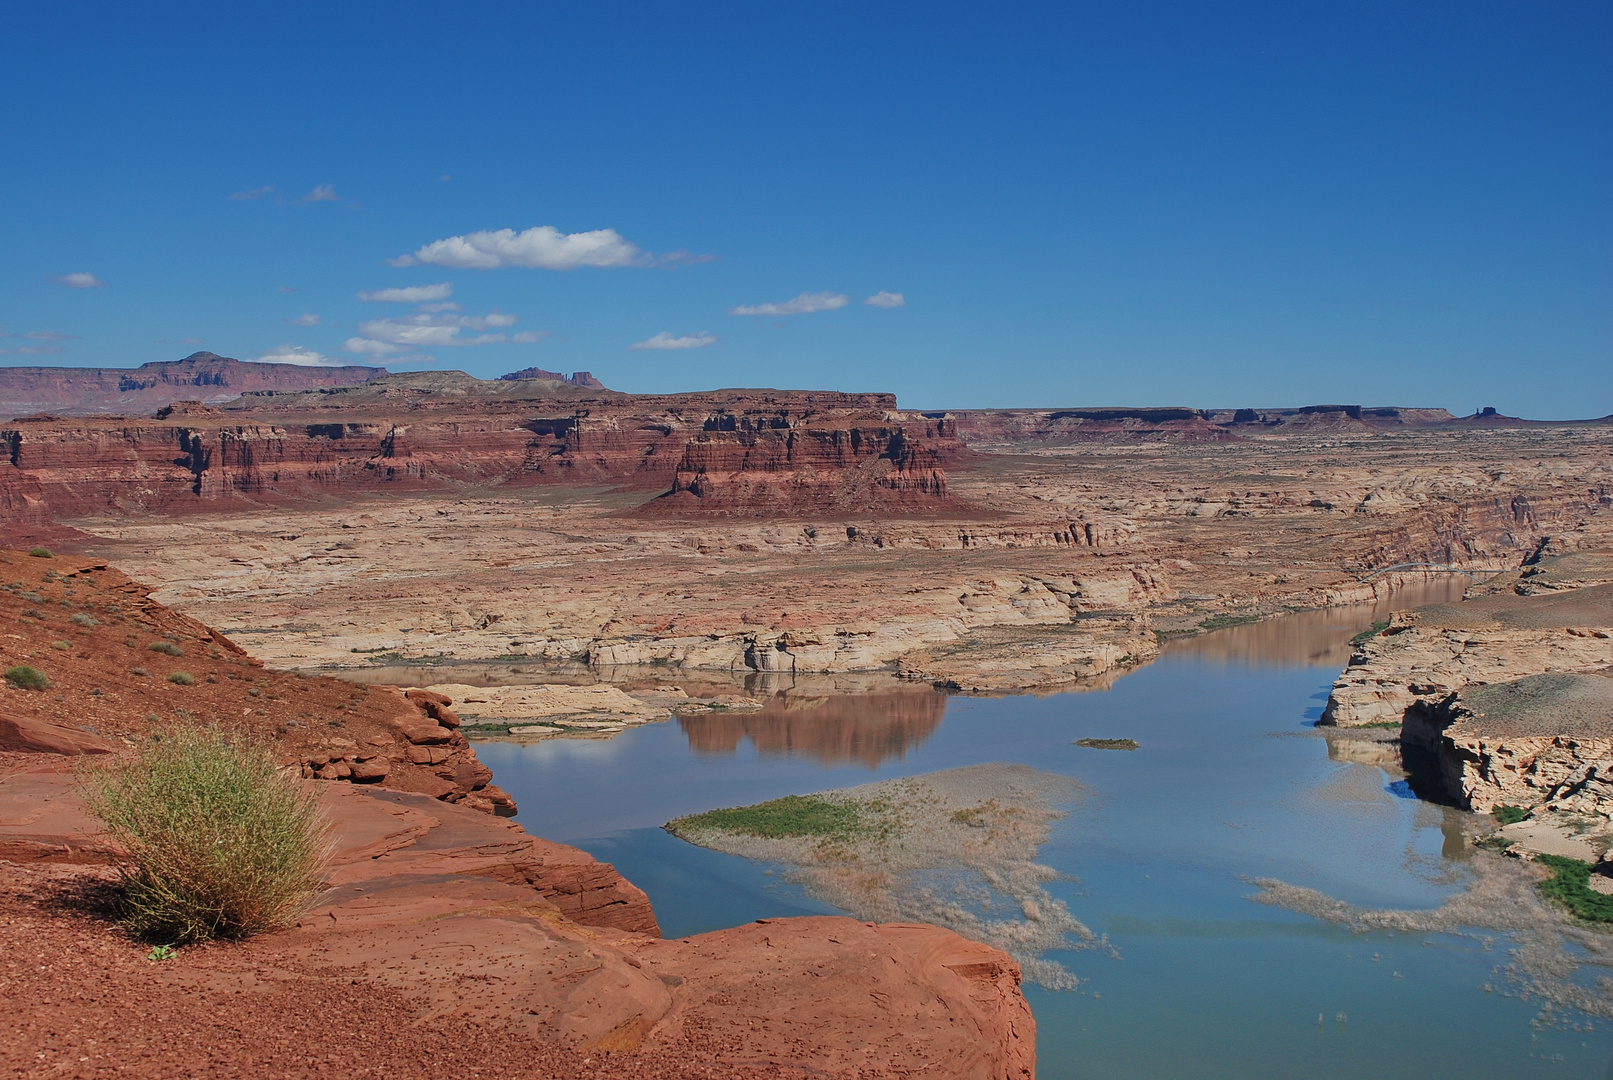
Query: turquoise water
1229,784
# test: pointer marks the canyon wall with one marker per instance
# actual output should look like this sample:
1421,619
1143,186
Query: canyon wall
736,451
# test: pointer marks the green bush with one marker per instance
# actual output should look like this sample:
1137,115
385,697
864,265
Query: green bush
40,552
217,841
82,619
182,678
64,646
1570,886
27,678
166,647
1508,815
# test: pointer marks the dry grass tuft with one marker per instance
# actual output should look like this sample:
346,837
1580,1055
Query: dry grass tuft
218,842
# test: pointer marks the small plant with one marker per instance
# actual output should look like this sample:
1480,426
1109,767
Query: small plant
1508,815
217,842
167,648
65,646
1367,635
161,952
1570,886
1107,744
27,678
82,619
40,552
182,678
140,671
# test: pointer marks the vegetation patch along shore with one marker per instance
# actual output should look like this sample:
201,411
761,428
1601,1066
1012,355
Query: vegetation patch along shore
955,848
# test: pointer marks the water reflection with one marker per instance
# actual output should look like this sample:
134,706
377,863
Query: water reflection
1319,638
868,728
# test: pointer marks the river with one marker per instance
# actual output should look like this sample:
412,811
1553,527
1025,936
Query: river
1229,783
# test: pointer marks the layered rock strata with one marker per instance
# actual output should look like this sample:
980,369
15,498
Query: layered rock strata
1506,697
118,665
443,431
1544,741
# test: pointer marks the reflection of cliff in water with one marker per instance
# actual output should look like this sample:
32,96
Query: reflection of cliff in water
1314,638
870,728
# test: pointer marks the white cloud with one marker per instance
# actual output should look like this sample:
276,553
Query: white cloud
446,305
529,337
886,299
305,320
805,304
665,340
411,294
254,193
429,330
366,347
542,247
295,354
322,193
81,281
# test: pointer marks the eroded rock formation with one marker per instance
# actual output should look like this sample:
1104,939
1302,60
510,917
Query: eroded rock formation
1504,698
733,452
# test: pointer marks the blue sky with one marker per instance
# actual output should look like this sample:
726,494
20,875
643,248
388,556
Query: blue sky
1077,204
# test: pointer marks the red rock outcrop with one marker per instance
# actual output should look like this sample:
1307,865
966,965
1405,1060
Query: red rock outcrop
117,661
201,376
469,916
750,451
809,465
584,379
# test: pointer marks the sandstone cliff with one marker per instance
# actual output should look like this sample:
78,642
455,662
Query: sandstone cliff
733,452
1503,698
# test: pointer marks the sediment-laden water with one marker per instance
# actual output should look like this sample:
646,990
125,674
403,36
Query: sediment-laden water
1268,905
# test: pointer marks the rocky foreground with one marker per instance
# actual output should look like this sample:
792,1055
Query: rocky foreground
448,939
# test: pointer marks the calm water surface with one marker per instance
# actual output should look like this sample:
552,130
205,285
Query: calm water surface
1229,784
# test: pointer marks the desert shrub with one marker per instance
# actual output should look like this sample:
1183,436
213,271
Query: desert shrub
82,619
182,678
166,647
27,678
40,552
64,646
1508,815
217,841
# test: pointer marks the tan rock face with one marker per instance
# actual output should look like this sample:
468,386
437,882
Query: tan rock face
1509,690
1424,657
